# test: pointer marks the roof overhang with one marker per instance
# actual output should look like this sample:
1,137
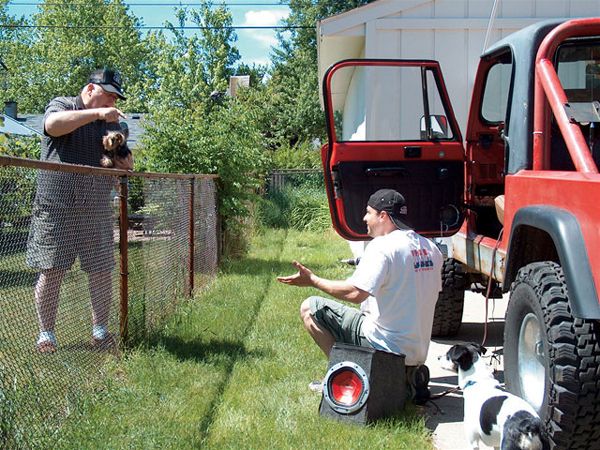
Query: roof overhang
8,125
343,36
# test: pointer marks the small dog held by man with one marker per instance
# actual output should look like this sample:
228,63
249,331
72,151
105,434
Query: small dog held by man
115,146
493,416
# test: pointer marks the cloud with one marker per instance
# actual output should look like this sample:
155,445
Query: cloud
264,18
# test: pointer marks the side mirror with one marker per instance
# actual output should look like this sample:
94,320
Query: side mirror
434,128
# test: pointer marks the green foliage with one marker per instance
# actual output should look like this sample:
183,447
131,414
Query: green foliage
188,68
301,156
20,146
273,210
188,131
220,139
311,212
300,208
54,60
136,194
17,185
294,105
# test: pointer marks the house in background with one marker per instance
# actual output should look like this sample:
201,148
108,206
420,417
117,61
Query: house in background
32,124
453,32
11,125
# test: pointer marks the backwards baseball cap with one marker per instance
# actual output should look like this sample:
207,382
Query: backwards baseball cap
109,80
392,202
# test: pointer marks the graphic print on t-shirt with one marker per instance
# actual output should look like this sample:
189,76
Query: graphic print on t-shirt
422,260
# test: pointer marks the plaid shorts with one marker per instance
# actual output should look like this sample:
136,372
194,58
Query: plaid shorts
343,322
63,230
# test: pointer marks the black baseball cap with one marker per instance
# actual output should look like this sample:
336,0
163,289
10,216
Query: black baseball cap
393,203
109,80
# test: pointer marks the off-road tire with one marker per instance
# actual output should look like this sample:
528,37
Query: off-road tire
449,307
570,355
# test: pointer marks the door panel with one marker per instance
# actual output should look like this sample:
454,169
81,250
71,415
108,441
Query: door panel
390,126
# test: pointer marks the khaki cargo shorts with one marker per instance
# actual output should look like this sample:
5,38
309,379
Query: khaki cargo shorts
343,322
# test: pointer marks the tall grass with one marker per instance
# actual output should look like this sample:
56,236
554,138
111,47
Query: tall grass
302,208
230,369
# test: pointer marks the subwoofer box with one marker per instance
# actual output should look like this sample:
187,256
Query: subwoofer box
381,373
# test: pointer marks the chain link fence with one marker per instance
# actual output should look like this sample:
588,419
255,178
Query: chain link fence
283,178
82,246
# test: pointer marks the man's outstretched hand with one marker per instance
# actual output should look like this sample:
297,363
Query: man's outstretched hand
304,277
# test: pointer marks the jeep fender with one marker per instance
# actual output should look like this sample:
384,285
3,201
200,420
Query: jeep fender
541,223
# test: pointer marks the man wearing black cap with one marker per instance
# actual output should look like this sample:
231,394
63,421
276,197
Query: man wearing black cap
71,215
396,283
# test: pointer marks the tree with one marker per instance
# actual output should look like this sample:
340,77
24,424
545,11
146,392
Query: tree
294,87
188,67
190,131
69,41
15,40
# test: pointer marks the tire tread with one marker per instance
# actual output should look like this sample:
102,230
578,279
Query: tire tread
573,418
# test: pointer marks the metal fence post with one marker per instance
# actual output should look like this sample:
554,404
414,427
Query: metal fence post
124,264
190,284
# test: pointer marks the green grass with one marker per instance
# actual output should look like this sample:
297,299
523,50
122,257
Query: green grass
300,207
230,369
38,393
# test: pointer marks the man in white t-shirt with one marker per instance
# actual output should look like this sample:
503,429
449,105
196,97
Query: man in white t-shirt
396,283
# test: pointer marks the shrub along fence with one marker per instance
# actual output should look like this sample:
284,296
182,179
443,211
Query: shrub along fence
163,238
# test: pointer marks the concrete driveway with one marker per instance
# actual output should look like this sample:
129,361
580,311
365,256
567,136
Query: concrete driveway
445,415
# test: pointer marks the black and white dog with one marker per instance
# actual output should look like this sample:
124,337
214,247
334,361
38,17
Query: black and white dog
493,416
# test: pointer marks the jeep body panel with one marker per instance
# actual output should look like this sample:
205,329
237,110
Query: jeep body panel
555,235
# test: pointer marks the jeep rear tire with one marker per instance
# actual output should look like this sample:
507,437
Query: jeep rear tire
552,359
449,307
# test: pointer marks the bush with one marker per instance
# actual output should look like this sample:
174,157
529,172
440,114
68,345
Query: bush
21,146
303,208
304,155
221,140
311,212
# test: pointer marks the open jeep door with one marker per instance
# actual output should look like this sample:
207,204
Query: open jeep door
390,125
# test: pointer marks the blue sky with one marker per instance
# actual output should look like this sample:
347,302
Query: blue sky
254,45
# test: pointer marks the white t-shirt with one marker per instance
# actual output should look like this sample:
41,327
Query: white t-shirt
402,272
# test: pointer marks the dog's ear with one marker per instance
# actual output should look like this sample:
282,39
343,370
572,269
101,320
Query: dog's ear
464,358
454,353
124,129
477,348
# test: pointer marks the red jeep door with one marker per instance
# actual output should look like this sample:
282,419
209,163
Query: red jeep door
390,125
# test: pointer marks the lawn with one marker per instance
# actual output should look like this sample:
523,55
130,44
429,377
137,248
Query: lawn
230,369
38,393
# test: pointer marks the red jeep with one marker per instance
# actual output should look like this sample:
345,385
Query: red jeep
517,198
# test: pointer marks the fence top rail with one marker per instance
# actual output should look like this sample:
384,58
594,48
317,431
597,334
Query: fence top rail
76,168
298,171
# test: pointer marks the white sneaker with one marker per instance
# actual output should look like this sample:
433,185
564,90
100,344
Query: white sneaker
46,342
316,386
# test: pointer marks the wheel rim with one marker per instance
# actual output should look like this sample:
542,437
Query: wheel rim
531,361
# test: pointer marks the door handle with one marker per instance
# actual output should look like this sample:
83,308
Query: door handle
386,171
